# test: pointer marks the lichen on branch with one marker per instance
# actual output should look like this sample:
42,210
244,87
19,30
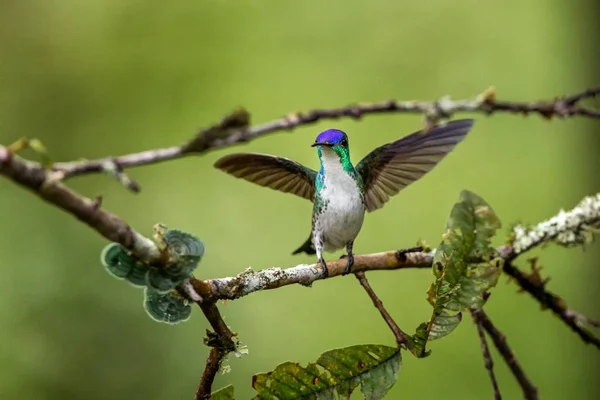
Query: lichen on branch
47,181
575,227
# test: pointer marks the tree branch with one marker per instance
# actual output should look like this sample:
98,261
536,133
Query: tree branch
529,391
401,337
582,319
571,228
487,357
249,281
567,228
47,186
235,128
222,344
43,183
535,286
213,363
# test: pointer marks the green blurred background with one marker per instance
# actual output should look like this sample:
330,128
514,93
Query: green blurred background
95,78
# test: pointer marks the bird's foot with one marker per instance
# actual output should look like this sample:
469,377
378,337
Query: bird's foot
324,265
343,256
349,265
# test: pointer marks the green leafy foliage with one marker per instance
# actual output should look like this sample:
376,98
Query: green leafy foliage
169,307
225,393
372,367
465,266
185,251
121,265
162,302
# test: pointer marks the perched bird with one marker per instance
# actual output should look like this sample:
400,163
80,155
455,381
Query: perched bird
341,192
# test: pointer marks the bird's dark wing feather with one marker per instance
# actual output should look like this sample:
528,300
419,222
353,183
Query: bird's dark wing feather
390,168
269,171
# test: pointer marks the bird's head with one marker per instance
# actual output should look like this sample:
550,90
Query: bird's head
332,141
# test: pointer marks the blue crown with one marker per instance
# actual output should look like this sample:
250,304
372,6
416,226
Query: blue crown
331,136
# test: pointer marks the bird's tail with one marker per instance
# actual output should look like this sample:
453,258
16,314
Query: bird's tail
307,247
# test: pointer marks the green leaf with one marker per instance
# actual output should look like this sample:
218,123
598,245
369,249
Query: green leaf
34,144
225,393
419,341
159,281
161,302
138,275
465,266
169,308
374,367
186,252
116,261
121,265
444,324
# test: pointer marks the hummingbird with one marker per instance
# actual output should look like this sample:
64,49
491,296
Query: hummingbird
341,192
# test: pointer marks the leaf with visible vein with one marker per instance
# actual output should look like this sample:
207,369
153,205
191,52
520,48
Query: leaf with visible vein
225,393
465,266
372,367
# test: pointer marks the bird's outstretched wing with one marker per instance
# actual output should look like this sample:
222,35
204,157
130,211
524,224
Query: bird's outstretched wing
274,172
390,168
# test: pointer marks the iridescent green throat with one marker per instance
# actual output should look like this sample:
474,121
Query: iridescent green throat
343,154
344,159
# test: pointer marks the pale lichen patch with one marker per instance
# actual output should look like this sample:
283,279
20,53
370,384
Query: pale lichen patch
568,228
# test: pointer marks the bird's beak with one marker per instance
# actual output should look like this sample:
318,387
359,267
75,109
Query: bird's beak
315,144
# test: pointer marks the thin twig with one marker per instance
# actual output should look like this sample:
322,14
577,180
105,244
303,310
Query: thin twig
536,288
235,128
568,228
581,319
574,227
34,177
529,391
222,344
402,339
249,281
584,215
213,363
43,183
117,171
487,357
586,94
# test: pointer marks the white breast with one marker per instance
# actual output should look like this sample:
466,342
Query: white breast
343,216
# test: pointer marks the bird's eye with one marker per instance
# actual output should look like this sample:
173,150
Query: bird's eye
344,142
